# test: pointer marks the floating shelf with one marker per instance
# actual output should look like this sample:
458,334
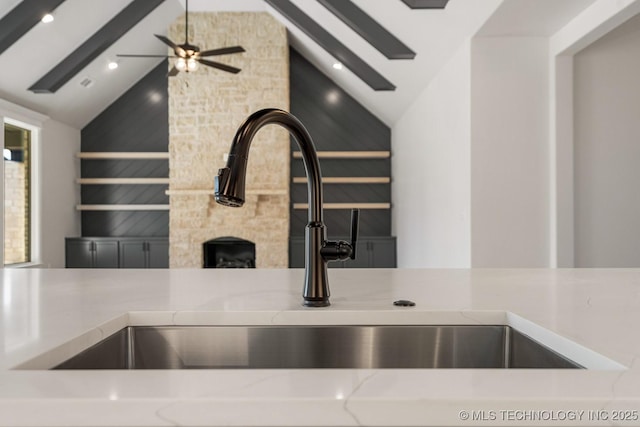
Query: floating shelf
346,206
122,155
205,192
348,154
210,192
347,180
122,207
267,192
120,181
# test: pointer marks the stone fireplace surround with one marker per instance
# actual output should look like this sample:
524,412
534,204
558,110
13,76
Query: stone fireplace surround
205,109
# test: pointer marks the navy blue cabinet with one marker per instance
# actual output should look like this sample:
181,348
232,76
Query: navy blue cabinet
144,253
371,252
91,253
117,252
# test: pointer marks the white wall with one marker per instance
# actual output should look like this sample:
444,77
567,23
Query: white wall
607,150
561,233
431,171
510,152
595,22
60,194
521,169
471,160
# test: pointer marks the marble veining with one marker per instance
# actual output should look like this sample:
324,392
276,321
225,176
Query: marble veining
49,314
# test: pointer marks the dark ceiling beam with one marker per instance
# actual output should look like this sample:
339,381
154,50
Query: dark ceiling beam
94,46
22,18
370,30
332,45
426,4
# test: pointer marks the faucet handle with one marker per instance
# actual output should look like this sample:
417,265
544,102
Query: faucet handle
355,221
340,250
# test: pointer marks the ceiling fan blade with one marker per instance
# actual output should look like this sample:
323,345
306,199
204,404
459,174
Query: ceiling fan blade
143,56
177,49
219,66
223,51
174,71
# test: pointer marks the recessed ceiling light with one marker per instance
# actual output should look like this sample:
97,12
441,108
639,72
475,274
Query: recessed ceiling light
112,65
337,65
333,97
47,18
155,96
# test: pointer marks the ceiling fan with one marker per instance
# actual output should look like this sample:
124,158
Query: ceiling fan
189,56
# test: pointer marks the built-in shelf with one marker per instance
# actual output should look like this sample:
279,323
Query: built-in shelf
348,154
123,155
211,192
121,181
347,180
205,192
114,207
346,206
267,192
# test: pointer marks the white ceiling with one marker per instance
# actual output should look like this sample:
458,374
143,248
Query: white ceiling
532,18
434,35
45,45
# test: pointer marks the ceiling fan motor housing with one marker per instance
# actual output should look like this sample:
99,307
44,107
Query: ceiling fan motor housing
189,49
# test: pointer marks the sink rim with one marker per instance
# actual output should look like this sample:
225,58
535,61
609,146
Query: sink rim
318,347
84,339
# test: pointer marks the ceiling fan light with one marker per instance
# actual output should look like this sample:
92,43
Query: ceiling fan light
192,64
181,64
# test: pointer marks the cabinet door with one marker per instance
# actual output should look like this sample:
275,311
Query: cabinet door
296,252
158,254
105,254
362,256
78,253
374,252
133,254
383,253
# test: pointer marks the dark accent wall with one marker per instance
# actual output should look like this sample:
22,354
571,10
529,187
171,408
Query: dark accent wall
337,122
136,122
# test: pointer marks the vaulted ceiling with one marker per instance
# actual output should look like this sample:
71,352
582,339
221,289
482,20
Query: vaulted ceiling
390,49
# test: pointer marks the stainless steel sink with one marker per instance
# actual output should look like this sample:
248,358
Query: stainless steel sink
304,347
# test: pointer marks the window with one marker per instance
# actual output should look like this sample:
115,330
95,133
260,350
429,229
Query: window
17,194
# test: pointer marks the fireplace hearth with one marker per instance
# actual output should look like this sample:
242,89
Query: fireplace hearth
229,252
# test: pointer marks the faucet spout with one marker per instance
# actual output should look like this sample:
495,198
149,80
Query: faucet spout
230,191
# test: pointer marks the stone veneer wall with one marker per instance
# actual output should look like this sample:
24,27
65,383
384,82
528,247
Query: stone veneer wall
205,109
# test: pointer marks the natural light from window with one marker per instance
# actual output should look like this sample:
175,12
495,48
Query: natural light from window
17,195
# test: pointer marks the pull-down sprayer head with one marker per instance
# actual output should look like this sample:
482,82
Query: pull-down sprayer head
230,192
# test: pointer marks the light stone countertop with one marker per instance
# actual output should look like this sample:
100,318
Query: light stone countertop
49,315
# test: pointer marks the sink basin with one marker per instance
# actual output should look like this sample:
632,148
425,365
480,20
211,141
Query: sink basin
304,347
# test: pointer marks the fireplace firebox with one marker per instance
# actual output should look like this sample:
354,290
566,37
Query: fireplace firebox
229,252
